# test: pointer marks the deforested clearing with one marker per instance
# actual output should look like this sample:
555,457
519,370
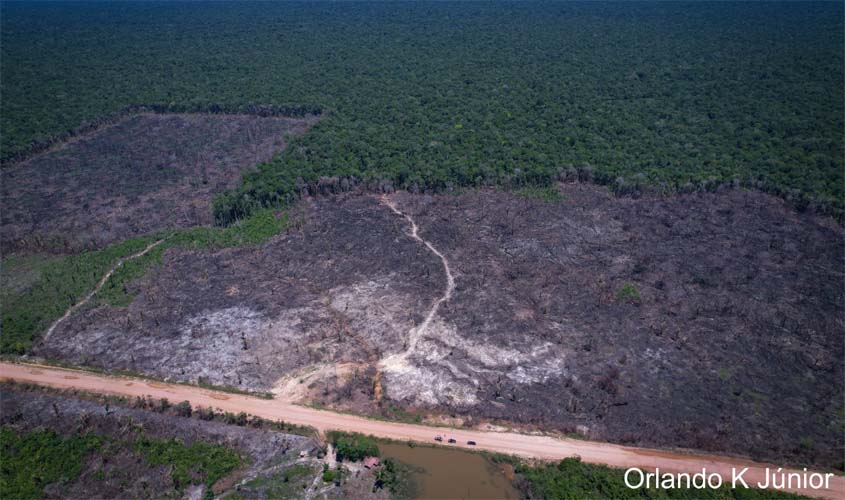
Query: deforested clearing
145,173
84,446
682,321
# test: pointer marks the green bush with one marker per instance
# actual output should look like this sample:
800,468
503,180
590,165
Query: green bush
629,293
396,478
353,447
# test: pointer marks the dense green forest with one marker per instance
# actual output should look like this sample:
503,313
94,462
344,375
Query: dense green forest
438,95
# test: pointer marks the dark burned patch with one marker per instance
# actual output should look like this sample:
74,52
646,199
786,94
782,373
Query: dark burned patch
731,342
708,321
142,174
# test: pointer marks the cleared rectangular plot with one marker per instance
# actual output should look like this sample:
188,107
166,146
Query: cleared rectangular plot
145,173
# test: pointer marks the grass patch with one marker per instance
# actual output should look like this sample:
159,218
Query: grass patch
64,281
114,292
547,194
395,413
250,231
629,293
19,272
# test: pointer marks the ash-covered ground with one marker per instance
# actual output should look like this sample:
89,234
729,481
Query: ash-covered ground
344,288
145,173
709,321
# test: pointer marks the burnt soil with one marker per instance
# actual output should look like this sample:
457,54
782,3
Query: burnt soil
116,470
710,321
145,173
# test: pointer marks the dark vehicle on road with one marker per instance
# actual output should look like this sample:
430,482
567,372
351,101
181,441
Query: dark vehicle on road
438,438
471,443
452,440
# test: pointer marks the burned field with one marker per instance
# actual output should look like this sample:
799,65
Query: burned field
708,321
144,448
341,290
144,173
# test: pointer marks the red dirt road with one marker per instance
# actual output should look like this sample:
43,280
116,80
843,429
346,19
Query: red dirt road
542,447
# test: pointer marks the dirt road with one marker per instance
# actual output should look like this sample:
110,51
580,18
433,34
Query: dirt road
399,361
504,442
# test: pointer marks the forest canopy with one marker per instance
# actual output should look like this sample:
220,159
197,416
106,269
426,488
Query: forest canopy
440,95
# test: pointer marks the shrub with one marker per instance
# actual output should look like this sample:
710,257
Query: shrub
353,447
183,409
629,293
396,478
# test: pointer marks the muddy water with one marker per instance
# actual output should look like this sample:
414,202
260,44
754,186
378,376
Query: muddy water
444,473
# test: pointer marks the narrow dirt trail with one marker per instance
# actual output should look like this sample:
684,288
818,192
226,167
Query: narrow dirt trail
397,361
534,446
97,288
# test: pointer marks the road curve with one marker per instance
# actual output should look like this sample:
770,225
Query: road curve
418,332
542,447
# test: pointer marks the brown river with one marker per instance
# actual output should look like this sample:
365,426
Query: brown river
444,473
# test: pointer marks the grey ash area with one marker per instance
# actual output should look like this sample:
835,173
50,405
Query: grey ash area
343,288
711,321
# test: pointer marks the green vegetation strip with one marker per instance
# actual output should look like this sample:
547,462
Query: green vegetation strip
33,460
548,194
571,478
63,281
